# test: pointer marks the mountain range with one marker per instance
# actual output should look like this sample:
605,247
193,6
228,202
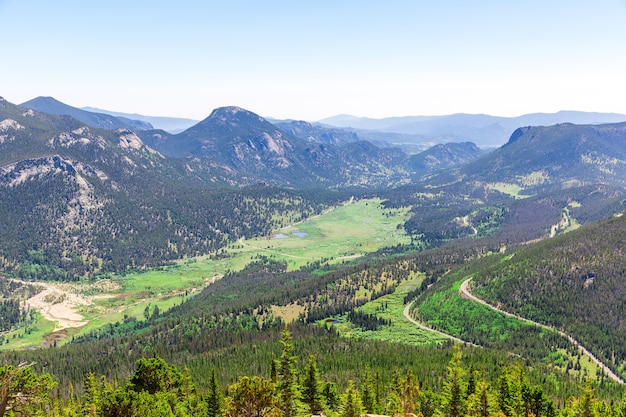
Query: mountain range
77,186
547,158
484,130
413,134
89,200
258,151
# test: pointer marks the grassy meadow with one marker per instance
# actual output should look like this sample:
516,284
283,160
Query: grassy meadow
346,231
390,307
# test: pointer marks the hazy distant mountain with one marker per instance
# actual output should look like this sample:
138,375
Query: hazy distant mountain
442,156
484,130
315,133
97,120
169,124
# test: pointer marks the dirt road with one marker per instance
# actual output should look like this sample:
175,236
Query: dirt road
465,293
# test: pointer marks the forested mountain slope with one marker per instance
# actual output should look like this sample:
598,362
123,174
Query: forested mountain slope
78,201
575,282
111,202
443,156
541,159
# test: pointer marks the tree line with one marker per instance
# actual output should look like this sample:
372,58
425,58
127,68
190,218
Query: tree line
157,388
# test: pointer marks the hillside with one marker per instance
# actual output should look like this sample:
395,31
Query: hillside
316,133
443,156
560,156
579,168
92,200
101,174
575,283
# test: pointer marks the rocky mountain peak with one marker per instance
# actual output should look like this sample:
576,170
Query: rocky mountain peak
232,115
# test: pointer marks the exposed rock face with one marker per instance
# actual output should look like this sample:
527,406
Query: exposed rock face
129,139
9,124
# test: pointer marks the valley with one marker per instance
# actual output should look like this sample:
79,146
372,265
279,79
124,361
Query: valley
350,230
239,247
313,209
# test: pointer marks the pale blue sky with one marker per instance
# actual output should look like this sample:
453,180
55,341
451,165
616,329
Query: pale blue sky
313,59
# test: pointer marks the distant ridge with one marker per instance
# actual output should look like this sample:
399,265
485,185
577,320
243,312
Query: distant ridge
169,124
97,120
482,129
316,133
443,155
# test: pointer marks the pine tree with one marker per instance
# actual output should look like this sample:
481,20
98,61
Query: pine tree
330,395
351,405
505,402
368,394
482,402
251,397
215,399
287,376
454,388
20,387
274,371
311,393
378,387
393,405
471,382
409,392
429,403
154,374
588,402
92,396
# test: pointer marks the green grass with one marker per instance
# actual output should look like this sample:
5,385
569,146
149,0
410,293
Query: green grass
586,369
30,336
444,308
349,230
513,190
390,307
